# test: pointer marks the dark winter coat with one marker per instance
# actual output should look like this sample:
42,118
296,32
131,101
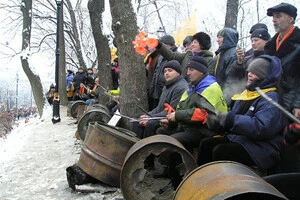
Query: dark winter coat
158,80
226,55
258,128
171,94
289,54
79,78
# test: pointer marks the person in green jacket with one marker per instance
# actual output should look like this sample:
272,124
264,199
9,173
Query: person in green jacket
188,123
203,96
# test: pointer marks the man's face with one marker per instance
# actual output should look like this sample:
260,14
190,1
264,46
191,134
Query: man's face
170,74
194,75
220,40
258,44
282,22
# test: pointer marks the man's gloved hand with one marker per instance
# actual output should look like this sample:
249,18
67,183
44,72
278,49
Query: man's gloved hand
216,122
292,134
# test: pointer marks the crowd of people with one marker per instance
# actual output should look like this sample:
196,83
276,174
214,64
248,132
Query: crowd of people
84,85
212,102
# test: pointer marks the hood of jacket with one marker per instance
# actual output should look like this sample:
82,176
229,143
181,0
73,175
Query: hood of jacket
274,73
230,40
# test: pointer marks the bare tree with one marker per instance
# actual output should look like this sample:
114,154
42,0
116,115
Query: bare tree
96,7
133,74
231,13
35,82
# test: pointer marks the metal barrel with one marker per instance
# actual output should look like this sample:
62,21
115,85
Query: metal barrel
98,105
225,180
103,152
74,107
139,182
96,114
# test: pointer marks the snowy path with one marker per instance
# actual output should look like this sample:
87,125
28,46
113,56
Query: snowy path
34,158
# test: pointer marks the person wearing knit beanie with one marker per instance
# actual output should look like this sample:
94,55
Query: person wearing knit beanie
174,64
167,39
260,67
203,39
258,26
198,63
261,33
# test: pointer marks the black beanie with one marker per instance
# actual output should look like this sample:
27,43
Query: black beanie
198,63
167,39
260,67
174,64
261,33
203,39
258,26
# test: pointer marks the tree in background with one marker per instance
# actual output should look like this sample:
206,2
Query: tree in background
231,13
34,79
96,8
133,74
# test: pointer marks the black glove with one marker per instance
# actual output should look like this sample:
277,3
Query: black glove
216,122
292,134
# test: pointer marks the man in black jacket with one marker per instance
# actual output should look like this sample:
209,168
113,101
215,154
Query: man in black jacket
286,45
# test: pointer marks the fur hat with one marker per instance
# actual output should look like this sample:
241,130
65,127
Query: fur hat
261,33
198,63
260,67
174,64
203,39
167,39
258,26
285,8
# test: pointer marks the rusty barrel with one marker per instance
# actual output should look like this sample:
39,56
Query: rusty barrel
225,180
74,107
141,183
104,150
96,114
98,106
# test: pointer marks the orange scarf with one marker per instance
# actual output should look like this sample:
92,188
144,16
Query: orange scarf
279,42
81,90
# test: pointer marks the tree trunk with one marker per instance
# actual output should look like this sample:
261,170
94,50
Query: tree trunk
231,13
96,7
133,73
62,61
35,81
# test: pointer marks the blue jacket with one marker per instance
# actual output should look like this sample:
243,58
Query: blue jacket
259,129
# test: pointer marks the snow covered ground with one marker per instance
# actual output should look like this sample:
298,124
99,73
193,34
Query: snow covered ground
34,158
